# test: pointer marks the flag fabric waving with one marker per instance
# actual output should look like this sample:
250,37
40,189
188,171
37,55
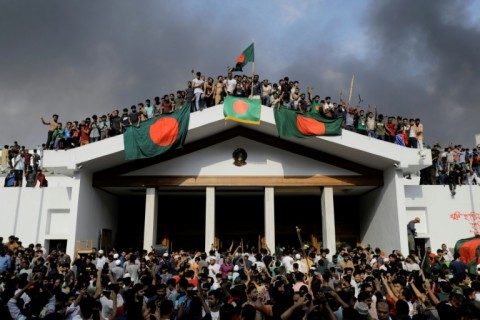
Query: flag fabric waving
248,55
157,135
242,110
291,124
469,251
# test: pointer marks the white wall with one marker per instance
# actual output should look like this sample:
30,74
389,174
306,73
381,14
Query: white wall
262,160
382,215
438,205
34,214
92,210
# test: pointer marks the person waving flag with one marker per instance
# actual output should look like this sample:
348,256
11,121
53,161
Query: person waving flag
248,55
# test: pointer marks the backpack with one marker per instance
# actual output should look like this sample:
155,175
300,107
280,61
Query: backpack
10,180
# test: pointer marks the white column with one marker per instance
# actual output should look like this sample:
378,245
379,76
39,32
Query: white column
328,220
209,218
270,217
150,230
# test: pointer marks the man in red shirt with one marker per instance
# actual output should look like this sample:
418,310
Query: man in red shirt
390,130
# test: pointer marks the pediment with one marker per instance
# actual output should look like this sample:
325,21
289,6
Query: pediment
271,161
262,160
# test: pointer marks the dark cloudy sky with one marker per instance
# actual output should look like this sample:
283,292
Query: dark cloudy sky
78,58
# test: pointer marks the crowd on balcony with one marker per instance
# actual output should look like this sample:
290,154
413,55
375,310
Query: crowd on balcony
236,283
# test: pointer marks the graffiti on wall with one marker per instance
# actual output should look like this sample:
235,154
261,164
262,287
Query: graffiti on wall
473,219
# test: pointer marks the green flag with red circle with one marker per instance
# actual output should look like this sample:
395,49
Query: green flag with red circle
469,251
292,124
248,55
157,135
242,110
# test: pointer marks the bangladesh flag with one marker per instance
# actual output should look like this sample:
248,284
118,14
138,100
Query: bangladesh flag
248,55
292,124
469,251
316,107
157,135
242,110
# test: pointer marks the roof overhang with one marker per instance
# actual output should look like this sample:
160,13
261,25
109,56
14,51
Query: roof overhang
350,147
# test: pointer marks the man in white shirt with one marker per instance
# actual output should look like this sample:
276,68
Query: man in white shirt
471,178
213,267
230,83
287,262
101,259
18,167
197,85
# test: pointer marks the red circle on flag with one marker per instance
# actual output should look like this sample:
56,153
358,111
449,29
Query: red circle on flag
164,132
310,127
240,106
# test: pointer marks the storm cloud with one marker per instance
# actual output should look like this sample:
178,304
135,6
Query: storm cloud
77,58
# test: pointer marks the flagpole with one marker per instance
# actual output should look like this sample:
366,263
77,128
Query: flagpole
253,70
351,89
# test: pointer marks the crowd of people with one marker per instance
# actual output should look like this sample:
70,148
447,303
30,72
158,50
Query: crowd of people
236,283
453,166
20,164
203,92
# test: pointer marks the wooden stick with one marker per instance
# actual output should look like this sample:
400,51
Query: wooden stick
253,70
301,247
253,75
351,89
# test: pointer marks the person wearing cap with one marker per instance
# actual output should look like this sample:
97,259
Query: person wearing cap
111,261
213,267
101,260
117,270
412,232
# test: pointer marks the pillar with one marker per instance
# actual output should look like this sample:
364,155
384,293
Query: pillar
209,218
328,220
270,218
150,230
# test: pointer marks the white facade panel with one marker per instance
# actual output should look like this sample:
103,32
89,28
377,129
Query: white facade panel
262,160
382,215
448,218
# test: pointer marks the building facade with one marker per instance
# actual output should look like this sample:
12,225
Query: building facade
345,189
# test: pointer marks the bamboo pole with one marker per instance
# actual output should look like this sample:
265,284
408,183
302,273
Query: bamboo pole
351,89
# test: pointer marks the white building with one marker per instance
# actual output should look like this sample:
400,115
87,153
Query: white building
348,188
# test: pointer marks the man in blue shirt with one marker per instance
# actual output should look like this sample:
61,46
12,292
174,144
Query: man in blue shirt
5,261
